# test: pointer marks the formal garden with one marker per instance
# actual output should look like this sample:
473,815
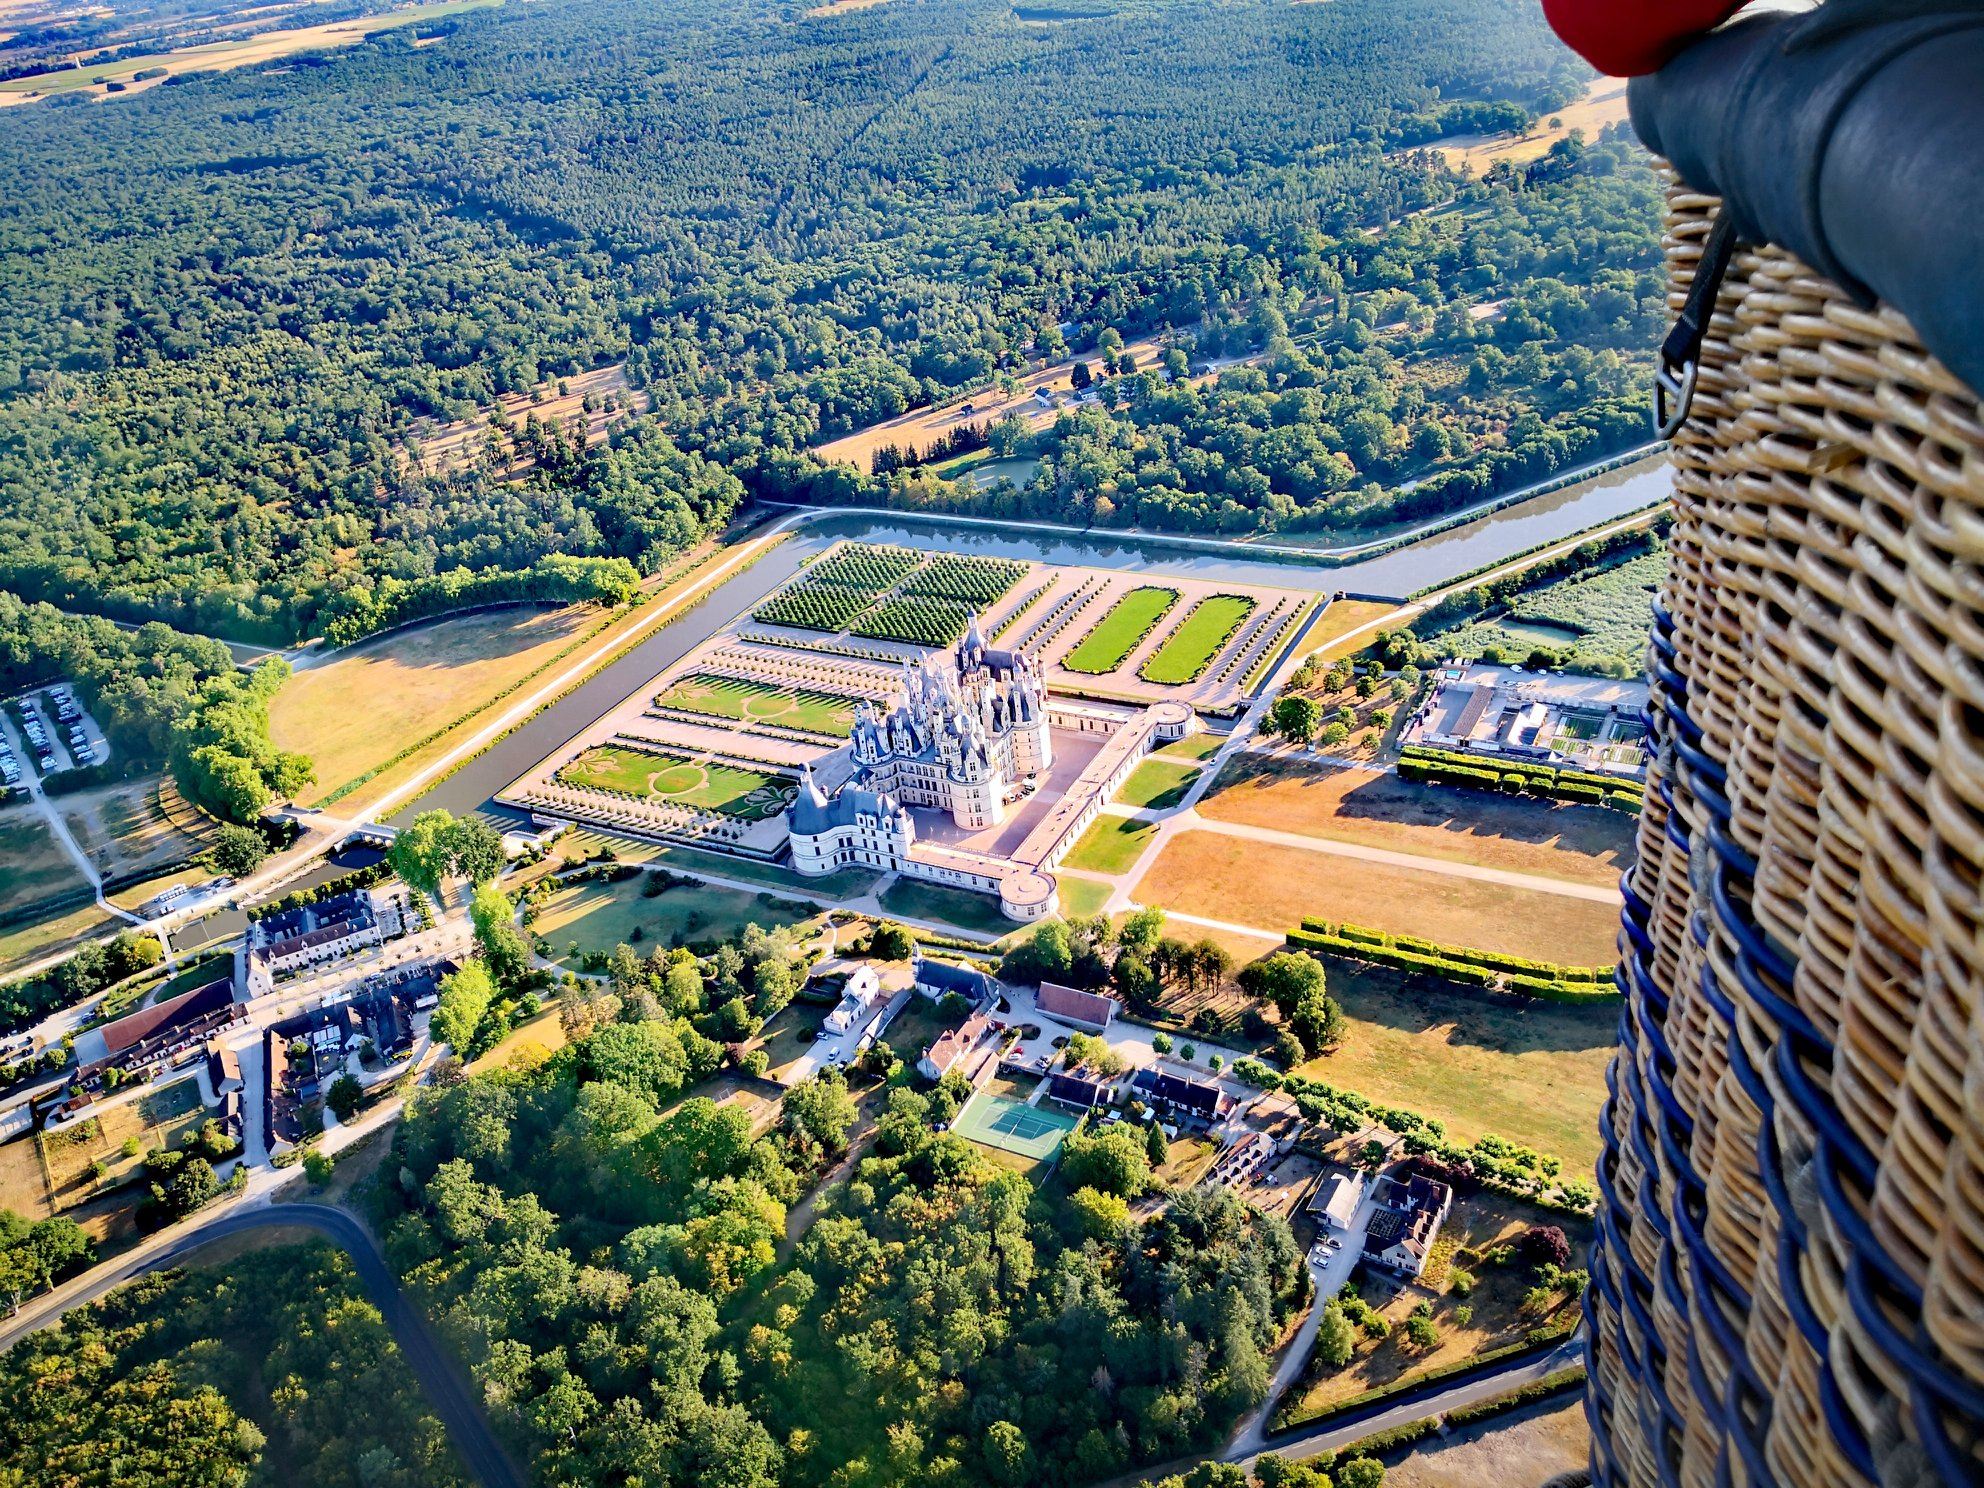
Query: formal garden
742,700
655,776
1199,637
891,594
1119,632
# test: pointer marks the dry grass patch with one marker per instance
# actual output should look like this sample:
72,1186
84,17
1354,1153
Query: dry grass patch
1532,1072
420,680
33,866
135,826
558,401
1504,1453
22,944
1581,844
1603,103
1271,886
22,1188
1338,621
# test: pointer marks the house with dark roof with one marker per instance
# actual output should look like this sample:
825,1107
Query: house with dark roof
936,978
314,935
223,1069
1201,1098
1080,1089
1405,1222
1088,1010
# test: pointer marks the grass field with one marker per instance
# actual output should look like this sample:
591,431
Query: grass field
1200,636
33,866
962,907
708,785
1157,783
1082,897
244,52
600,916
1197,746
759,702
1533,1072
1582,844
1111,845
422,679
1270,886
1111,640
1548,1443
21,944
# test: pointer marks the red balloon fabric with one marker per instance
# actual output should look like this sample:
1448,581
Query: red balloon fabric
1629,37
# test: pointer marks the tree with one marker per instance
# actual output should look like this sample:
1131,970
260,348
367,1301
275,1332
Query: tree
647,1058
1080,377
822,1111
503,948
891,942
465,997
1157,1147
475,849
1296,716
1160,1043
1112,1160
1088,1049
238,850
1141,931
1099,1216
1335,1338
1286,979
1544,1245
1361,1472
421,853
1423,1331
1008,1455
344,1097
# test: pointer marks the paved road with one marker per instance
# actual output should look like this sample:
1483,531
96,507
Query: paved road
447,1387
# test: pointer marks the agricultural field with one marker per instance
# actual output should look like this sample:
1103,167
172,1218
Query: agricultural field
708,785
119,77
423,678
744,701
915,620
599,916
1598,622
1158,784
1199,637
1270,886
33,866
1110,642
1111,845
1581,844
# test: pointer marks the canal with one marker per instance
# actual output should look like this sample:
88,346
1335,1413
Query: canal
1431,560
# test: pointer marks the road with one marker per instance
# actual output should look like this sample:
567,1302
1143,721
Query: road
447,1387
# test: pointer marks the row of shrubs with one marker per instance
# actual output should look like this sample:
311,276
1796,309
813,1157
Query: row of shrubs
344,883
1463,965
1479,772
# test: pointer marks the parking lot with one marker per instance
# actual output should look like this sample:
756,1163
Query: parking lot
50,730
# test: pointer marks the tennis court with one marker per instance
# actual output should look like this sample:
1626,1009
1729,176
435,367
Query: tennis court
1013,1126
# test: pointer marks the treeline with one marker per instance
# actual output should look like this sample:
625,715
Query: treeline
162,696
560,579
81,976
273,1367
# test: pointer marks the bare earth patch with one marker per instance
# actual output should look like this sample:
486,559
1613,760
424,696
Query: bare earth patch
1581,844
1603,103
1271,886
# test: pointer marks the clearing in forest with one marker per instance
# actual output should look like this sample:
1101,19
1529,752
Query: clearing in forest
603,397
1603,103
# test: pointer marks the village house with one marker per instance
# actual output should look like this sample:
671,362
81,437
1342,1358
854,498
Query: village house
1405,1223
858,1000
1091,1011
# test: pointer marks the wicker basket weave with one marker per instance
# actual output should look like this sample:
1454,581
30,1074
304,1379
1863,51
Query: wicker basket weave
1788,1284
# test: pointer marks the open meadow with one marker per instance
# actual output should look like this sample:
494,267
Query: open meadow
1270,886
1581,844
423,678
33,866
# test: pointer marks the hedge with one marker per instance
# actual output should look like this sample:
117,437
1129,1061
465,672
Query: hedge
1380,1442
1432,766
1462,965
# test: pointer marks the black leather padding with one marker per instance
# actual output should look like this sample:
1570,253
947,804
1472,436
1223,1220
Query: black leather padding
1855,141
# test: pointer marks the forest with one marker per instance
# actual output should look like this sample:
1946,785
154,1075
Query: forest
271,1368
231,307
